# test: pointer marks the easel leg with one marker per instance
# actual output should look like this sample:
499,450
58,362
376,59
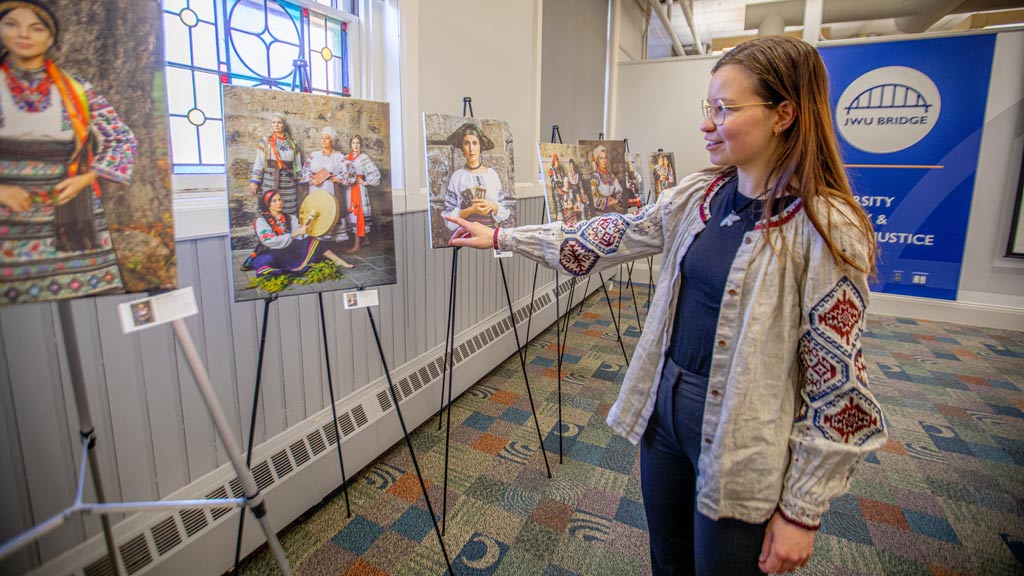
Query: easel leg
558,355
650,281
522,362
449,337
334,409
579,312
629,284
533,291
252,420
408,442
451,379
85,424
220,421
618,333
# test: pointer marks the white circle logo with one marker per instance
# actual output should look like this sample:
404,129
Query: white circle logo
888,109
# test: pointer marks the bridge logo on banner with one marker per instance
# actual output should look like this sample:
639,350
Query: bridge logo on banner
888,109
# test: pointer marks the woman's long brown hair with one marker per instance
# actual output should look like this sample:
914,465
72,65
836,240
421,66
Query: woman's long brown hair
807,162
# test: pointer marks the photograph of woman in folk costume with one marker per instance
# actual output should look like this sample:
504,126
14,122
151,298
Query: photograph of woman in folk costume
604,186
285,247
474,191
329,170
277,158
360,213
664,175
634,186
59,139
578,207
556,173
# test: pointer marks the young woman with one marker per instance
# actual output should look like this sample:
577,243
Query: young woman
59,139
474,191
329,170
748,388
360,216
604,186
276,165
284,246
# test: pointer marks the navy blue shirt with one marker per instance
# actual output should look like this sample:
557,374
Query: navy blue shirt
703,274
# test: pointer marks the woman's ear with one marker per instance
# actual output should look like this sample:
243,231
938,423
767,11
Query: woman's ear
785,116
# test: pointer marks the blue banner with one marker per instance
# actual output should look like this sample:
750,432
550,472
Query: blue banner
909,116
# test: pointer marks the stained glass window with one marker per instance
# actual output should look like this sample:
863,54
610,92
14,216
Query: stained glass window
267,43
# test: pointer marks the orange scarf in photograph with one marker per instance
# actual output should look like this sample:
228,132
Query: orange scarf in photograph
355,200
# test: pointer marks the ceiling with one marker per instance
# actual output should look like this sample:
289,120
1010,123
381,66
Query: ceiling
720,23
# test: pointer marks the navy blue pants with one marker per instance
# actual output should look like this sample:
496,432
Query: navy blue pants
684,541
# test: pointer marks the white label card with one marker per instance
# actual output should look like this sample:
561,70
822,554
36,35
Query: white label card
155,310
502,253
361,299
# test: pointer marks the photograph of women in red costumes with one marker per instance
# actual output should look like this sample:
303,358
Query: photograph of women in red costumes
331,224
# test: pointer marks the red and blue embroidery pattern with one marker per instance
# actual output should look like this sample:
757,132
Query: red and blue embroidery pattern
824,370
605,233
829,352
576,258
839,317
851,418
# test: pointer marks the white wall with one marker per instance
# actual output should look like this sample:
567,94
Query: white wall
482,49
988,277
631,42
659,107
572,91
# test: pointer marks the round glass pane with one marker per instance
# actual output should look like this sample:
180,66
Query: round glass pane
326,54
188,17
196,117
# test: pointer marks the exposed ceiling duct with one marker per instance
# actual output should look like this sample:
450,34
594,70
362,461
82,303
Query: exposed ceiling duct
688,13
911,15
659,9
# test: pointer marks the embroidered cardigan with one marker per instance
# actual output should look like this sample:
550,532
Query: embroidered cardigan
788,414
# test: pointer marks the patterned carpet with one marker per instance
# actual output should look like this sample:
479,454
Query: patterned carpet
945,495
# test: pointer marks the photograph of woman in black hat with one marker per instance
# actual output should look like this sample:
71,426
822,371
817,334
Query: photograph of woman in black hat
472,189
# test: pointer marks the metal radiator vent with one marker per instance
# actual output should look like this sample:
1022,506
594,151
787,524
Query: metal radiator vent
135,554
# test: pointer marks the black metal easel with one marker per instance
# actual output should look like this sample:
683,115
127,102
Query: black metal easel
408,441
467,106
255,406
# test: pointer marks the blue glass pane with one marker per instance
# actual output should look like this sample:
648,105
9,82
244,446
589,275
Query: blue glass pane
255,63
184,143
194,169
179,96
282,57
248,16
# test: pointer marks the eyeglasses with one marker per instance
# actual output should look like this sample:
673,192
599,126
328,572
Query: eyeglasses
717,110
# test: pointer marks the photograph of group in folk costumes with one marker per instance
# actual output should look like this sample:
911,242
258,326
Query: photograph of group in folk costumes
309,181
